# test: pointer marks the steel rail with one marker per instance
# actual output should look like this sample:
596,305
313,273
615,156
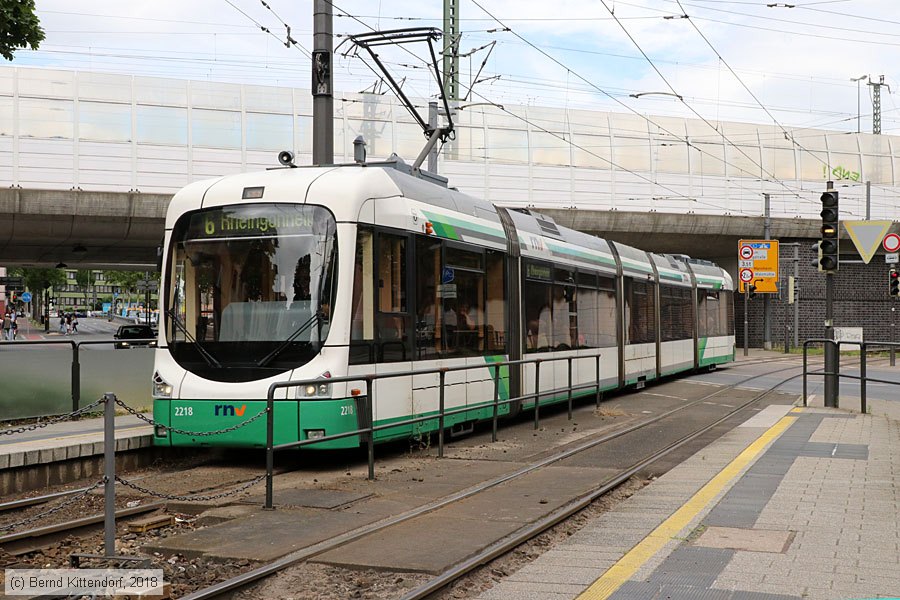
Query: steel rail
26,502
236,583
530,531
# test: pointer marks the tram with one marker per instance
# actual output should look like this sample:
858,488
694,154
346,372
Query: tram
314,273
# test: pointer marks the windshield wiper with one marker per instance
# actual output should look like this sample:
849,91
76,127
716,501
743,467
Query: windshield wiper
315,318
209,358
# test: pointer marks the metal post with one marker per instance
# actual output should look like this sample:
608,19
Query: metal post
537,392
746,318
767,321
432,124
76,378
109,474
496,400
46,310
832,366
370,414
323,99
868,200
598,381
569,361
805,348
270,447
442,376
862,378
796,295
893,350
787,328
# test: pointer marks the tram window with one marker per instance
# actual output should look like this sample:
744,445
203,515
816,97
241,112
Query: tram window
675,313
712,310
588,309
393,319
729,314
536,301
607,313
428,314
564,328
362,320
642,321
495,331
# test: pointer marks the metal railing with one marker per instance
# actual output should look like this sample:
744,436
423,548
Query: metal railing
76,359
369,429
863,378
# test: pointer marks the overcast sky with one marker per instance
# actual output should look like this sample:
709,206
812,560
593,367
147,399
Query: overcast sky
732,60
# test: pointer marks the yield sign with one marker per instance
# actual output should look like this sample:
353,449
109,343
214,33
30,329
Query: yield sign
867,236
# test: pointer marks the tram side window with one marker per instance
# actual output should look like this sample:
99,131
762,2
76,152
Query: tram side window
642,324
393,322
729,314
495,331
565,326
608,314
536,302
588,309
429,316
675,313
710,314
362,320
463,302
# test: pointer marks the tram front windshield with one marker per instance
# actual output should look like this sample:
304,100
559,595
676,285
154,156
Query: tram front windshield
249,289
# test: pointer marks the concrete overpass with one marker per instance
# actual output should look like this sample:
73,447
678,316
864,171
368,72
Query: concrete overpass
104,230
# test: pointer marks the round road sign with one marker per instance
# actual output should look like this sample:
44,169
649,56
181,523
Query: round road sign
746,252
891,242
746,275
26,297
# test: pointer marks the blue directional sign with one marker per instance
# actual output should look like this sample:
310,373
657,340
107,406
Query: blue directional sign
26,297
447,275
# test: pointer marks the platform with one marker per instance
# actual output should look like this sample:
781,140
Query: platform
63,451
795,504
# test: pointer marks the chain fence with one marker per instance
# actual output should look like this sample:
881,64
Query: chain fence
150,421
64,504
41,424
191,497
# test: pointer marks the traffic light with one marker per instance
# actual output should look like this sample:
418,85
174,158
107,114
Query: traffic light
752,290
894,282
828,247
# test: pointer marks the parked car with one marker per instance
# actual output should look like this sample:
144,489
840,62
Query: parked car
128,334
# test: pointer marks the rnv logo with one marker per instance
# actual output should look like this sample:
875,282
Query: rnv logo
228,410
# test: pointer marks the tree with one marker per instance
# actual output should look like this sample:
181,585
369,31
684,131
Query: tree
40,281
19,27
126,280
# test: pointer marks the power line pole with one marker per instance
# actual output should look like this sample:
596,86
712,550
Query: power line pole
323,99
451,49
876,103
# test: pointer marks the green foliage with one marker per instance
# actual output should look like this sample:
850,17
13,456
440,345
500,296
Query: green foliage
127,280
19,27
40,279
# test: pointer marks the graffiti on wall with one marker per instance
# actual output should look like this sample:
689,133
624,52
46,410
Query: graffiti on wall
839,172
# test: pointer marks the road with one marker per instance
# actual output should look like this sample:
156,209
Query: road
89,329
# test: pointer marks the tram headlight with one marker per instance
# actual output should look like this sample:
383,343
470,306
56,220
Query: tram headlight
161,388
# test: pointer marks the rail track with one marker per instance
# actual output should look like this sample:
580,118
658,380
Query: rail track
230,587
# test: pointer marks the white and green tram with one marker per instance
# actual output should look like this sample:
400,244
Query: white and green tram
309,273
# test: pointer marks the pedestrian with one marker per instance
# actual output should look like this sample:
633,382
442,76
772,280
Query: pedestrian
7,327
62,323
69,324
14,328
74,322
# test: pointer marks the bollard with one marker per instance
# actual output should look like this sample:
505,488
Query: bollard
537,393
496,400
370,415
862,378
569,361
109,474
443,376
76,379
805,347
270,447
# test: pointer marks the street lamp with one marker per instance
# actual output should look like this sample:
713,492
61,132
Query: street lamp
857,80
639,94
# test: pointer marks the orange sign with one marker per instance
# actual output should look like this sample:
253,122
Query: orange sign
758,265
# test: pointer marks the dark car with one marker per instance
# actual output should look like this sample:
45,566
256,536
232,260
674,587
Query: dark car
142,335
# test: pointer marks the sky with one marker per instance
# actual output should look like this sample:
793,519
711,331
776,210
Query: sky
755,61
